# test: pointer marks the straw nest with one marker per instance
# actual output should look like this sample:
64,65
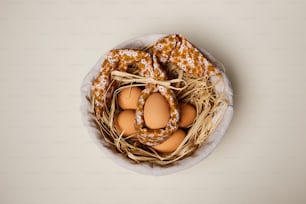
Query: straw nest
200,92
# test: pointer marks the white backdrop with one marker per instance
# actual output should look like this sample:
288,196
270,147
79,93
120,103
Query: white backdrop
46,49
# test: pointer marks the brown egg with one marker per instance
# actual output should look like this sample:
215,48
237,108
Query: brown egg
188,114
126,121
128,98
172,142
156,111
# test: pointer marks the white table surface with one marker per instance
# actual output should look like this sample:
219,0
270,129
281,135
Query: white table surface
46,49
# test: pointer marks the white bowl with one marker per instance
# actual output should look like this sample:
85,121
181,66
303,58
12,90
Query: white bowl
145,168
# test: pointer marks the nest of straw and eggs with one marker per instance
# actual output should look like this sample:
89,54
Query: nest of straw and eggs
201,93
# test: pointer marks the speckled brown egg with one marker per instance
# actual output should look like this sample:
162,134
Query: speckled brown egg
188,114
171,144
156,111
128,98
126,122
